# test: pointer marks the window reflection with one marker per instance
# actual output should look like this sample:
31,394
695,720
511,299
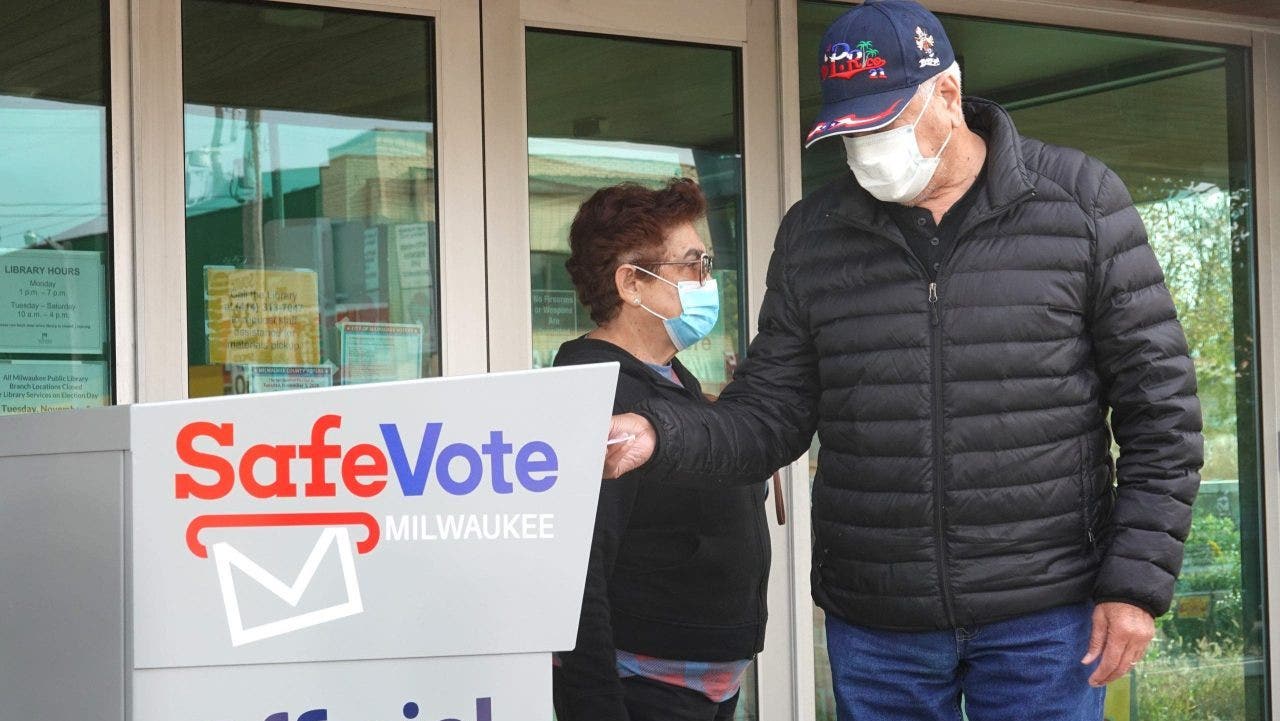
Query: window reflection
563,174
593,126
311,198
55,332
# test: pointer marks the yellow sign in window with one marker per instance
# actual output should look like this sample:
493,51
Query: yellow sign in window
262,316
1194,606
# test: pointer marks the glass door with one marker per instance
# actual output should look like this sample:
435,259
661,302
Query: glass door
667,110
312,214
312,234
629,92
1171,118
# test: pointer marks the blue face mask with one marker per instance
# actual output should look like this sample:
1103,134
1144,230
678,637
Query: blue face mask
699,310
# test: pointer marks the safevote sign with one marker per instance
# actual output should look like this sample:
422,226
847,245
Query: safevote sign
421,518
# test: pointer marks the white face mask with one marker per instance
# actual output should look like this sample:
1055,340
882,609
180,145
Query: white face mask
889,164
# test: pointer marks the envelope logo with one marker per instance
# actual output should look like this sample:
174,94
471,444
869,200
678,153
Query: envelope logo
333,541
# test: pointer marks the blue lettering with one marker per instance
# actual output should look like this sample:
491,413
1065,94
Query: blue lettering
497,451
484,712
527,465
412,480
474,469
536,465
315,714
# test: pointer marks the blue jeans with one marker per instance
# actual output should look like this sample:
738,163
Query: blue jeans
1023,668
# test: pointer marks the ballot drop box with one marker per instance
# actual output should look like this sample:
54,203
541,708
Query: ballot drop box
411,550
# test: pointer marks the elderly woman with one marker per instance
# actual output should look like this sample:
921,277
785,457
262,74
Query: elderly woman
674,608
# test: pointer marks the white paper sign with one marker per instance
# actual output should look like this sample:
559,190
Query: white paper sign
372,262
413,254
377,352
39,386
51,301
268,378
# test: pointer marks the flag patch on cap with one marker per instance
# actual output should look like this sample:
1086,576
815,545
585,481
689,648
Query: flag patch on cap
841,61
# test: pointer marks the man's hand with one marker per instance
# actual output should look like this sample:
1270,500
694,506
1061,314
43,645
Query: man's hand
628,455
1120,636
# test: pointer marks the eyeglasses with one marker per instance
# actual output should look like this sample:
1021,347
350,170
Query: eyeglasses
704,260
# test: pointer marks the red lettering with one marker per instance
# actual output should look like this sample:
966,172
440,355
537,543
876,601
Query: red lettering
185,485
282,486
353,469
265,469
317,451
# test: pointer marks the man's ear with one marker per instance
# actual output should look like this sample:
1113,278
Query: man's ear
953,99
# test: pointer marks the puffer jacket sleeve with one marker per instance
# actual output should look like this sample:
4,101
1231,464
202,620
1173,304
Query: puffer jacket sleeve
1150,384
766,417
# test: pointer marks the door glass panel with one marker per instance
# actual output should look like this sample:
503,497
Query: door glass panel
604,110
55,232
1171,118
311,197
667,111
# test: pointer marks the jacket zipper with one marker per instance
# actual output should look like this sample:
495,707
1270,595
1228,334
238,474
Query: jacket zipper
935,347
1086,489
939,495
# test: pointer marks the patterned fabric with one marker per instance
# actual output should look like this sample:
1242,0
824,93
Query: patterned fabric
717,680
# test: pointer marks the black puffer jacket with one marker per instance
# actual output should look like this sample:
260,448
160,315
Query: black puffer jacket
965,473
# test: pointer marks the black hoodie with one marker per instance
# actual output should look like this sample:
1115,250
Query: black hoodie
675,572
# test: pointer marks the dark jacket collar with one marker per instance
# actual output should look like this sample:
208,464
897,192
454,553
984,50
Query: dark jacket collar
592,350
1008,181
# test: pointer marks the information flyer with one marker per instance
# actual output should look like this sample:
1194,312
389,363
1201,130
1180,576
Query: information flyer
250,378
269,317
52,301
411,280
374,258
556,310
373,352
36,386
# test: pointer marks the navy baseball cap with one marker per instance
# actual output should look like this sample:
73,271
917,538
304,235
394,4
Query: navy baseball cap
873,59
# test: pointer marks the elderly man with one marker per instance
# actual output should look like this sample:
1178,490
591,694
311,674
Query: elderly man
964,319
